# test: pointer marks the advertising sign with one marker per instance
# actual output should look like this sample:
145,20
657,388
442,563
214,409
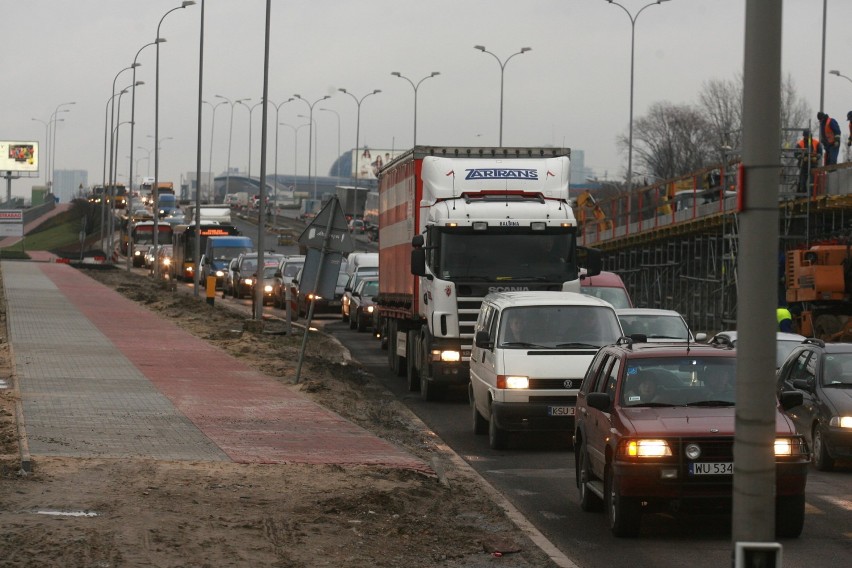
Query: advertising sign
11,223
367,162
17,156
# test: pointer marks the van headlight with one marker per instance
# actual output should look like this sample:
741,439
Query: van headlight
512,382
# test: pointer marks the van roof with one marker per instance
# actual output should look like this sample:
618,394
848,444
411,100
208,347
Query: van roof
604,279
514,299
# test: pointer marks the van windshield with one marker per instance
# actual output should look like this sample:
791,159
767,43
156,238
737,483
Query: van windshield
227,253
557,327
615,296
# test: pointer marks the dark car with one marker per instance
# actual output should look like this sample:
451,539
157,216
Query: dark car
654,431
322,305
212,267
283,279
362,304
229,278
822,373
270,267
242,275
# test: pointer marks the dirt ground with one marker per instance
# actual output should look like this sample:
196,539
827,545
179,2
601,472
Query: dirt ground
109,513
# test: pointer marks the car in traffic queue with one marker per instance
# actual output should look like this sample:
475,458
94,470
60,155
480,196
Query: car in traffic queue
654,432
822,373
164,259
242,275
283,279
228,278
354,278
657,325
785,343
265,276
321,305
363,304
530,351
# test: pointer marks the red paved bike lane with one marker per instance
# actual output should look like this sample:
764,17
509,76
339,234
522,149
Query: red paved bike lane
250,416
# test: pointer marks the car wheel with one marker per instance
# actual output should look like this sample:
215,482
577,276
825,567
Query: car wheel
498,438
623,513
822,460
362,323
353,319
789,516
588,500
480,424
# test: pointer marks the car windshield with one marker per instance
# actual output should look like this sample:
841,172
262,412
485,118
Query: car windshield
655,326
291,269
371,288
556,327
837,370
680,381
615,296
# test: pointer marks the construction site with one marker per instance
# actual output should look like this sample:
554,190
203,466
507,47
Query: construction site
675,243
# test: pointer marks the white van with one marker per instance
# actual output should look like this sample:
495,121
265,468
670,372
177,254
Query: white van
530,353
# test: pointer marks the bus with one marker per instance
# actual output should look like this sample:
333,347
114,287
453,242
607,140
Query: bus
143,239
183,239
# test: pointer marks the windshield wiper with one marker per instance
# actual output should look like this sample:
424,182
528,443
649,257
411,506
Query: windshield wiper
651,405
710,403
524,344
667,337
578,345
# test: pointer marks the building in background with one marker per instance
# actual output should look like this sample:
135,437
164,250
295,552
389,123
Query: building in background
67,184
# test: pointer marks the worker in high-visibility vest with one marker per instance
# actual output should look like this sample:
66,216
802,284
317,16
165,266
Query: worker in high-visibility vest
808,159
829,136
785,320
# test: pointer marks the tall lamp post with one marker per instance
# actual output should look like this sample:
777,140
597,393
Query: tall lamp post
633,19
53,150
156,187
251,111
46,142
358,126
502,73
832,72
230,137
278,106
313,123
337,161
210,159
107,129
311,135
295,150
415,86
148,170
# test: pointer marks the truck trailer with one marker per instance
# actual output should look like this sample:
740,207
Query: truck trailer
456,224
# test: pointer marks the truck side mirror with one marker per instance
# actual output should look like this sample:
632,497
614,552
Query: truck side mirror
418,261
482,339
591,260
417,241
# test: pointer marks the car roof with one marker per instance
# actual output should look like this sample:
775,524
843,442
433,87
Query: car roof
779,335
674,349
527,298
646,312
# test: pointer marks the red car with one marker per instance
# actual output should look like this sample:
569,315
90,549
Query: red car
654,431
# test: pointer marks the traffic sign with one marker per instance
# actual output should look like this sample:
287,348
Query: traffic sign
339,239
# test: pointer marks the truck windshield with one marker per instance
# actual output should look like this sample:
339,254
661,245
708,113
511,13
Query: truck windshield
507,256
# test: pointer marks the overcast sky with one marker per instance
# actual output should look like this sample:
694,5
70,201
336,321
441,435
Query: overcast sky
572,89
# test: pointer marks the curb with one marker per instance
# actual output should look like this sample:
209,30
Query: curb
23,440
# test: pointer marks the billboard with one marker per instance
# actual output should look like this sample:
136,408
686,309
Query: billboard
16,156
367,162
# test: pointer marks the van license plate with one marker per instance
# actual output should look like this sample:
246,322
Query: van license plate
711,468
560,411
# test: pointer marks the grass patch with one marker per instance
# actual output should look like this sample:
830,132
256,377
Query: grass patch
61,232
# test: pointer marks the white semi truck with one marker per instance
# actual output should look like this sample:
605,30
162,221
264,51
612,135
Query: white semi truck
456,224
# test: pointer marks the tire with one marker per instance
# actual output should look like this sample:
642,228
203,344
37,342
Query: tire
588,500
822,461
498,438
411,374
480,424
623,513
361,322
789,516
353,319
393,360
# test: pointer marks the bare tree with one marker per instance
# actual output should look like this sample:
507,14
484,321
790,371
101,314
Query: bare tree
721,101
671,140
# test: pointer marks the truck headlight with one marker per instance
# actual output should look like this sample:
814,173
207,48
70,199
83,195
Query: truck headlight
646,449
446,356
841,421
512,382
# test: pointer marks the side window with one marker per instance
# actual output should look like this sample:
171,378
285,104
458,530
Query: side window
592,371
603,376
803,366
486,316
492,324
612,378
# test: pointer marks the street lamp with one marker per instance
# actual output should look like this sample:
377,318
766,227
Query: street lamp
502,72
230,137
311,135
633,19
415,86
53,150
337,161
156,188
832,72
251,111
295,150
46,142
210,159
358,126
107,129
148,170
316,139
278,106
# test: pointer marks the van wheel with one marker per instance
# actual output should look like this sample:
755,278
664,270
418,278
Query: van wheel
623,513
498,438
480,424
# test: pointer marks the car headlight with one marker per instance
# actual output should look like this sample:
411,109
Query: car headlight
137,253
649,448
841,421
267,289
167,261
788,447
248,281
219,274
512,382
370,309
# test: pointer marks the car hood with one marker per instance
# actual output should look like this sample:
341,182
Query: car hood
690,421
547,363
840,398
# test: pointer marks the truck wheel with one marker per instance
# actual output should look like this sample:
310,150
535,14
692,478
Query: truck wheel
822,460
623,513
411,374
497,437
588,500
480,424
789,516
